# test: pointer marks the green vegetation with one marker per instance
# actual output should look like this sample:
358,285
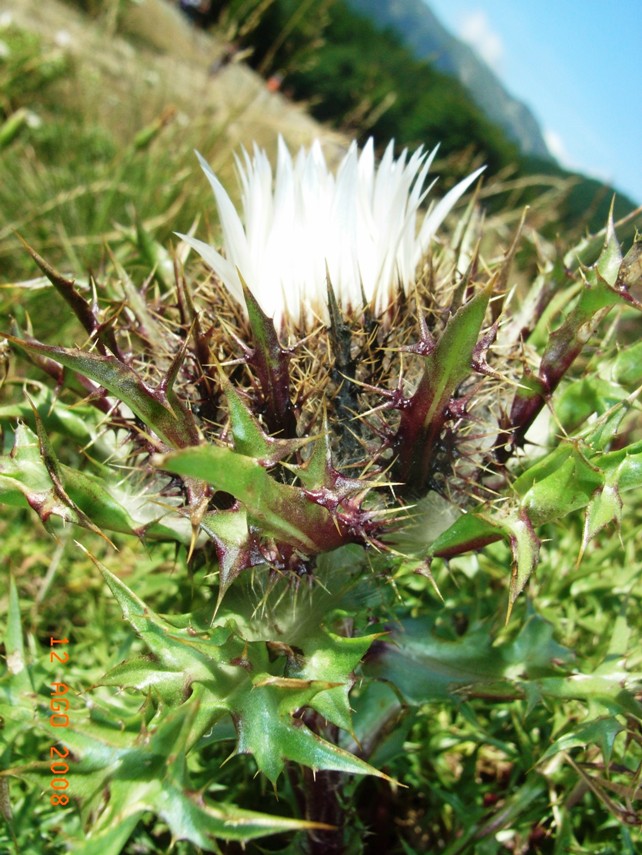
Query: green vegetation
365,81
359,78
266,642
59,166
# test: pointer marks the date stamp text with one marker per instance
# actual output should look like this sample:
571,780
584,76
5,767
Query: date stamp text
59,718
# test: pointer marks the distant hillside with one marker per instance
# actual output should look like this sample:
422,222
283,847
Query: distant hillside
424,34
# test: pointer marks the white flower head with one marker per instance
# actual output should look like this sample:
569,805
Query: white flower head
361,226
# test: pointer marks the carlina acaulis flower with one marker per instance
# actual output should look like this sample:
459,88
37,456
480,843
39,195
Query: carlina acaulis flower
325,375
363,227
332,260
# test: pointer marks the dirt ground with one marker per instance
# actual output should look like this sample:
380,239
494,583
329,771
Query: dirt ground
147,58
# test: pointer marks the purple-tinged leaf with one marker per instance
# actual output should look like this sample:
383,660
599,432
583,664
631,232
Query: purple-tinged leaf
469,532
271,364
424,416
235,545
601,291
281,511
474,531
171,421
103,333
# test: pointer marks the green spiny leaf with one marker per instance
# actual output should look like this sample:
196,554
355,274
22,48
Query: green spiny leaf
151,775
469,531
524,545
55,473
171,421
332,658
607,691
230,533
561,483
445,368
610,259
280,510
602,731
424,667
268,729
604,507
178,649
628,464
32,476
23,474
77,422
250,439
627,368
91,495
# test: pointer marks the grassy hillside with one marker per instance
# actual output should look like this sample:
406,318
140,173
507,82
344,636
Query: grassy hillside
100,116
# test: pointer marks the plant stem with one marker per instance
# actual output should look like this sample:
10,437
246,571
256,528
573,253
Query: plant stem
322,804
322,800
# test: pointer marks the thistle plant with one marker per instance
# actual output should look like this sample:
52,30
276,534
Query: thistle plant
323,418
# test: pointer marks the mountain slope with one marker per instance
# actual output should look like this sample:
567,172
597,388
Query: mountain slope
428,39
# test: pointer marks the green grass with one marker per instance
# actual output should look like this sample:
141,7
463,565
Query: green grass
516,768
481,773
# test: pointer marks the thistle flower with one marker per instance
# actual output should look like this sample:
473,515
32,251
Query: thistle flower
362,227
318,479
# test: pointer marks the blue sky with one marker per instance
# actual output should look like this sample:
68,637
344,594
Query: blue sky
578,66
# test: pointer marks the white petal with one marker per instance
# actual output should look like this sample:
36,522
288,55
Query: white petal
304,221
436,216
221,266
